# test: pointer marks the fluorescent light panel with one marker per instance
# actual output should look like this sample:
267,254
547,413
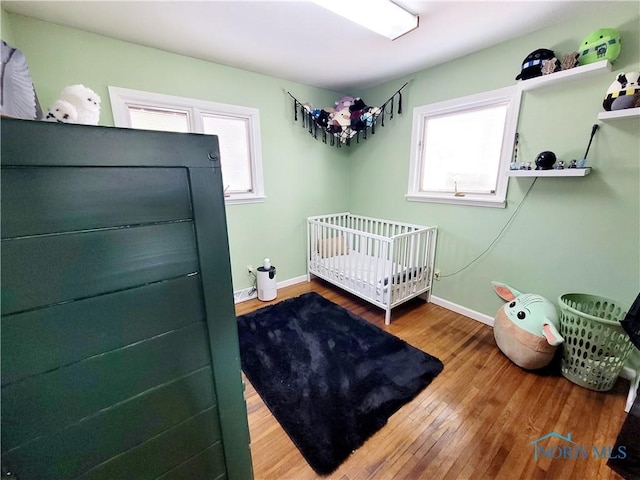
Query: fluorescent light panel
381,16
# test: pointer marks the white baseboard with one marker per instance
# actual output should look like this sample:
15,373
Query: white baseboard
467,312
249,293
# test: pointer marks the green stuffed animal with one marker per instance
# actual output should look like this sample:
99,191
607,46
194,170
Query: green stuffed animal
526,328
603,44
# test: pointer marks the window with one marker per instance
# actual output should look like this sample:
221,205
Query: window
237,128
462,148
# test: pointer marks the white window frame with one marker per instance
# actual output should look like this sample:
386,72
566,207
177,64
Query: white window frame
122,98
509,95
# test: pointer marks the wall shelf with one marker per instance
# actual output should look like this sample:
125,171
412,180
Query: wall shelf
565,75
566,172
619,114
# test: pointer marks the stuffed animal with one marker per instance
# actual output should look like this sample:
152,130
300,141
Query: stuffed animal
322,117
532,64
342,117
340,124
526,328
85,101
550,66
357,105
602,44
622,92
369,115
344,102
62,111
569,61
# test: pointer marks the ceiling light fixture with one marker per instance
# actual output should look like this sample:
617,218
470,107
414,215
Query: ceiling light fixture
381,16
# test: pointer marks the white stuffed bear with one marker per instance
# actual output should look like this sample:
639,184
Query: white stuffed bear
62,111
83,100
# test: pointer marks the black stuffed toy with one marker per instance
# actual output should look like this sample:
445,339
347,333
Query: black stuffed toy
323,118
356,109
532,64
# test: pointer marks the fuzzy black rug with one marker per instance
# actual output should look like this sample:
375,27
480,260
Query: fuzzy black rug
331,378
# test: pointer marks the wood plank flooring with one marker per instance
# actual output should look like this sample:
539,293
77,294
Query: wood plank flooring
476,420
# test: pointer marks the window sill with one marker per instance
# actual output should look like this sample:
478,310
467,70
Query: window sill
242,200
471,200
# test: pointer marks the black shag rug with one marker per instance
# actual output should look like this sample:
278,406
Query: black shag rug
330,378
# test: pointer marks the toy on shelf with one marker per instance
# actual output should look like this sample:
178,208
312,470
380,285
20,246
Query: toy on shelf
526,328
623,93
550,66
62,111
569,61
545,160
602,44
533,63
77,104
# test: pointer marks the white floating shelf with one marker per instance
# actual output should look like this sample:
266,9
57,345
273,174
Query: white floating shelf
565,75
565,172
618,114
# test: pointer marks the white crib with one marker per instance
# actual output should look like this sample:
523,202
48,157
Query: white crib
381,261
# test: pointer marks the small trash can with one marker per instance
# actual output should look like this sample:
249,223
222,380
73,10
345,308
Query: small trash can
595,346
266,281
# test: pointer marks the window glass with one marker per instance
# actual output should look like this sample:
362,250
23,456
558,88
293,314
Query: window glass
163,120
461,149
233,137
237,129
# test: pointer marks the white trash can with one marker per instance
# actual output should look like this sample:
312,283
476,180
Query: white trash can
266,279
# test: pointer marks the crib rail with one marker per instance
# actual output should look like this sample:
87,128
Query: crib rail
382,261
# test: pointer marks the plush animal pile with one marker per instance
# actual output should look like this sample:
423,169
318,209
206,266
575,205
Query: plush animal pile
76,104
349,116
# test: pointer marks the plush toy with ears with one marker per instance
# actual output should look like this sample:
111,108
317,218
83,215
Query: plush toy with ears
526,328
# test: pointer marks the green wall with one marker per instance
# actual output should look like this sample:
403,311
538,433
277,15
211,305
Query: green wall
572,234
301,177
6,32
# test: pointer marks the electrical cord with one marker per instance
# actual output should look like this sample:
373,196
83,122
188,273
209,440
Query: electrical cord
254,288
498,236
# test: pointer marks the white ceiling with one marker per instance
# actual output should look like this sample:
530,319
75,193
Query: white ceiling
302,42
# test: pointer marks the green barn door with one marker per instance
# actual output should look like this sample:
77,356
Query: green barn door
119,343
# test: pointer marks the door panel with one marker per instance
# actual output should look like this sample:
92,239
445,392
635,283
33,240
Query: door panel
49,200
120,357
44,339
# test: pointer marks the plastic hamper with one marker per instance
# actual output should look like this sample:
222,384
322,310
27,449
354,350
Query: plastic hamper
595,345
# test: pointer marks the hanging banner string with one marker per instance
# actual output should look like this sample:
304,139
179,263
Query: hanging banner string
339,134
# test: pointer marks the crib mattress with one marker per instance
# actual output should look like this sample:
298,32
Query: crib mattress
363,273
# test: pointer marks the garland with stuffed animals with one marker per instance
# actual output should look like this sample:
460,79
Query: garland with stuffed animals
351,117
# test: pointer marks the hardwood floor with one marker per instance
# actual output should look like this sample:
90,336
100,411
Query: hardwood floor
476,420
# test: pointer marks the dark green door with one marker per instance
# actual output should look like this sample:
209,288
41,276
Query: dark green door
119,343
